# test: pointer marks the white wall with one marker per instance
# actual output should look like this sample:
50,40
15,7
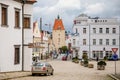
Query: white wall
111,23
9,36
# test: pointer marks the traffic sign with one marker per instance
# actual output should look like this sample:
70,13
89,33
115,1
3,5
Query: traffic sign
115,56
114,50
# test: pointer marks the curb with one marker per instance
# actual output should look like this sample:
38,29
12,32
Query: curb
13,77
7,77
112,76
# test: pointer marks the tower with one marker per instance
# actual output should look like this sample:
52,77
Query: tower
58,33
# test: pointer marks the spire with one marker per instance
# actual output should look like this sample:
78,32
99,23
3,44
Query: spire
58,16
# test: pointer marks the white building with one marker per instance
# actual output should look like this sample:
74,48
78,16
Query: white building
41,41
95,36
11,35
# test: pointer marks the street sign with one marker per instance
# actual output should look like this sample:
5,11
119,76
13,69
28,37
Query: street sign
115,56
114,50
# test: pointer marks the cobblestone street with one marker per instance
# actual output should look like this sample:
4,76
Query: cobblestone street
67,70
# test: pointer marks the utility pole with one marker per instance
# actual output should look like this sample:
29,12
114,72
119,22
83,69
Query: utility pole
41,24
41,32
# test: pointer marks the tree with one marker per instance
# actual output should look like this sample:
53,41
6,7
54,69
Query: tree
64,48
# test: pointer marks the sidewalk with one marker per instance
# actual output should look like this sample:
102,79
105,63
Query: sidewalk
11,75
115,77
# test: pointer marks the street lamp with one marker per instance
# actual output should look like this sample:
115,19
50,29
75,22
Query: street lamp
23,3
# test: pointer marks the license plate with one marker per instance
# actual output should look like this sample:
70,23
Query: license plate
37,68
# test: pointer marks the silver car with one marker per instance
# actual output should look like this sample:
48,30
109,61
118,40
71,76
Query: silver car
42,68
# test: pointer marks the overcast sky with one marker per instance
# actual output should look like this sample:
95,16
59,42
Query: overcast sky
69,9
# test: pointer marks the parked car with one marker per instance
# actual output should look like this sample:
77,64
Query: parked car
64,58
42,68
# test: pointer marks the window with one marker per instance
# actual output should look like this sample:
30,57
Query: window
94,30
94,41
4,15
100,41
84,41
26,22
94,55
84,30
100,30
58,39
17,18
101,54
17,54
107,30
107,41
76,30
114,41
114,30
95,21
73,41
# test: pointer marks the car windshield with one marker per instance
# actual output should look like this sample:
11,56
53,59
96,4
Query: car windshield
38,64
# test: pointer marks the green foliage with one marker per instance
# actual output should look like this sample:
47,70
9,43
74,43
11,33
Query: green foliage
84,56
64,48
101,63
75,59
85,61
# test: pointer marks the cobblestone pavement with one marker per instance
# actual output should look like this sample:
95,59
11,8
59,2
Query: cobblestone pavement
67,70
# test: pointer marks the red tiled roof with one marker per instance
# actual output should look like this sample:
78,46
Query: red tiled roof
31,1
27,1
58,25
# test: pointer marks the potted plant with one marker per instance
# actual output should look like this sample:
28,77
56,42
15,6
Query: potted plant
90,65
101,65
82,62
86,63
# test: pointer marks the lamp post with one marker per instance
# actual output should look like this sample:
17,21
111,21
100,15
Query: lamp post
23,3
119,41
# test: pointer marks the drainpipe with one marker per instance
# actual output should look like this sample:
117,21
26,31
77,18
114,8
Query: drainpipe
23,3
89,43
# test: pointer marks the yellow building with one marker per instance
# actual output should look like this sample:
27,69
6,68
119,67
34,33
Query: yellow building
41,41
58,34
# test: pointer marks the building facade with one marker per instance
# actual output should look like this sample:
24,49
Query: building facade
96,36
41,41
11,58
58,34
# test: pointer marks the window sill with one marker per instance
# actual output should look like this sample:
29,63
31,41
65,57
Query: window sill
16,63
4,26
27,28
17,27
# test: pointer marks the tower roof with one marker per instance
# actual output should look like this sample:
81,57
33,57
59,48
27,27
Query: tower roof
58,24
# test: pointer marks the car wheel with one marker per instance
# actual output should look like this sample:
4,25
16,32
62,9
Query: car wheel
46,73
52,73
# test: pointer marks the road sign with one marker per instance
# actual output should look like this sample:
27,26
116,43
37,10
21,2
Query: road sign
114,50
115,56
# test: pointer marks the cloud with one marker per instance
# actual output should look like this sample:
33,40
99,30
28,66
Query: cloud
68,4
69,9
97,8
62,7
